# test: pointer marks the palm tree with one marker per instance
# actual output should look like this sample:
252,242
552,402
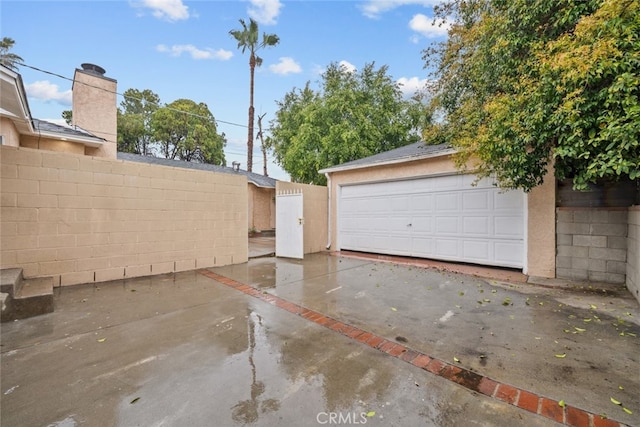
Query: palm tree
7,58
247,38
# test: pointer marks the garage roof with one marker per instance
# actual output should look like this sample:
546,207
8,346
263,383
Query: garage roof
416,151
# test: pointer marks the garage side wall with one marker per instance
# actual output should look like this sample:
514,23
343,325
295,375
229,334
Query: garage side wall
81,219
315,214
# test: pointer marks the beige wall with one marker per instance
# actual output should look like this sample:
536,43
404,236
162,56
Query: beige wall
633,252
52,145
261,208
314,211
541,205
9,133
82,219
541,229
95,110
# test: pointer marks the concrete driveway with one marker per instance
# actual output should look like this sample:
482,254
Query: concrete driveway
324,341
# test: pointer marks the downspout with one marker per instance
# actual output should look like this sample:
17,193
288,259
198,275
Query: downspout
328,211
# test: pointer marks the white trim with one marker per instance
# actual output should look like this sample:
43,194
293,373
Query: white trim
88,141
388,162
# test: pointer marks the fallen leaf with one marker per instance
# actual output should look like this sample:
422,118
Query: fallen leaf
620,387
615,402
486,300
593,307
628,411
134,400
461,293
630,333
102,340
579,329
455,359
561,356
493,291
371,414
394,309
561,404
587,320
506,301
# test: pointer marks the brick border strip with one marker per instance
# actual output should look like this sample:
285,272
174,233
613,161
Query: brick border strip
531,402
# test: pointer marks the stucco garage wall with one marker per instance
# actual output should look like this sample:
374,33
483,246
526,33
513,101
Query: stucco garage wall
262,208
633,252
540,215
314,211
82,219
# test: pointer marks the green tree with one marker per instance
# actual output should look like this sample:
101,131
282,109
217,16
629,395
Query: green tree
67,115
7,58
134,121
247,38
353,115
187,131
523,84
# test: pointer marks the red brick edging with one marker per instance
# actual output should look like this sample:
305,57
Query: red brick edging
532,402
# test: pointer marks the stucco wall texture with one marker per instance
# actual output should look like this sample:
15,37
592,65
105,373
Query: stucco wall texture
262,205
81,219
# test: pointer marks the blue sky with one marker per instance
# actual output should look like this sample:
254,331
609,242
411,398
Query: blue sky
182,49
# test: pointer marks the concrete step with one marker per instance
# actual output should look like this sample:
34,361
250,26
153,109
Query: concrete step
10,278
24,298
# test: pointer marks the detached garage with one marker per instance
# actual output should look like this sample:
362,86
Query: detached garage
412,201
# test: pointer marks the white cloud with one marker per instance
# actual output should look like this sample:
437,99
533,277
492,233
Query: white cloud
207,53
375,8
286,66
411,85
264,11
349,67
47,91
169,10
425,26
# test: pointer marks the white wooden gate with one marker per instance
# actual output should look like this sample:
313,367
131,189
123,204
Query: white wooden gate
289,225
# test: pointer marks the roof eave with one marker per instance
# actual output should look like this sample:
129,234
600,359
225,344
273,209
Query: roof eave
388,162
93,142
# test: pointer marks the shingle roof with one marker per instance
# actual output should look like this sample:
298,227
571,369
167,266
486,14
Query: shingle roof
41,125
254,178
409,152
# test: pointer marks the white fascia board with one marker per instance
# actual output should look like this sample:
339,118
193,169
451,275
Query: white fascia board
388,162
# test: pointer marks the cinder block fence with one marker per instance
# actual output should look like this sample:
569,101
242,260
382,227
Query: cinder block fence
84,219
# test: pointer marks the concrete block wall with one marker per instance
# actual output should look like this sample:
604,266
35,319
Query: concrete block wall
83,219
592,244
315,214
633,252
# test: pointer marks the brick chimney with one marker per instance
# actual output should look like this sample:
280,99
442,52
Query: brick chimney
94,108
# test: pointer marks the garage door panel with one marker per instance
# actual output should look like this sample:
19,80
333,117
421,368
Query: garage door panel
476,226
449,219
477,250
446,202
476,200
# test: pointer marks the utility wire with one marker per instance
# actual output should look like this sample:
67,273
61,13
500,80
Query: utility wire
127,96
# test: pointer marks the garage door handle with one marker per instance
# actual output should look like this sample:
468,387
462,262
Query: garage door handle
409,225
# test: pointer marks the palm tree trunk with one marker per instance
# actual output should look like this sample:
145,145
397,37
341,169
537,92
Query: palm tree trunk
252,67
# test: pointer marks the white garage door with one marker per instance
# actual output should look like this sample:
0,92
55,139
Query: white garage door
443,217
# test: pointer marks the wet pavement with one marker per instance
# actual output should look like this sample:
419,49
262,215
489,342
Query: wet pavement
186,349
262,247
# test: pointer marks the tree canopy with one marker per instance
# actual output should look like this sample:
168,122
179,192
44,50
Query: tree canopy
134,121
187,131
181,130
353,115
8,58
523,84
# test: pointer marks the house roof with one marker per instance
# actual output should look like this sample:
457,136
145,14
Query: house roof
416,151
74,133
253,178
14,106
